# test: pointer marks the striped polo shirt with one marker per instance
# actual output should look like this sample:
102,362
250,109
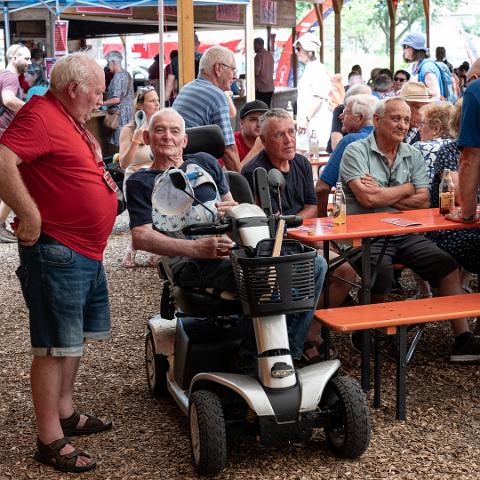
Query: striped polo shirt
202,103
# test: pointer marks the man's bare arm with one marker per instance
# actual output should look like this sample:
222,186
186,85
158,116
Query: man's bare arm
15,194
374,196
254,151
469,180
308,211
421,199
432,84
11,101
231,158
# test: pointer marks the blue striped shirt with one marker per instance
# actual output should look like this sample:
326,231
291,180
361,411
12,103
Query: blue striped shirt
202,103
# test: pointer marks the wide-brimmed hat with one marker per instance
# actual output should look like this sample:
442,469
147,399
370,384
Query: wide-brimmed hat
309,42
254,106
416,41
415,92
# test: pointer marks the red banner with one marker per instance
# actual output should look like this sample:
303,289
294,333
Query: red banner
61,37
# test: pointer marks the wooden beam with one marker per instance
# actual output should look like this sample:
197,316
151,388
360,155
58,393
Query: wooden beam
319,13
294,58
337,8
186,46
426,9
392,13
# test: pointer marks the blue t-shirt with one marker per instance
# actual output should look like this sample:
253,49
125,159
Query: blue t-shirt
299,190
140,187
332,169
429,66
470,123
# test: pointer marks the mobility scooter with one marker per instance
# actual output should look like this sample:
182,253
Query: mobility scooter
192,344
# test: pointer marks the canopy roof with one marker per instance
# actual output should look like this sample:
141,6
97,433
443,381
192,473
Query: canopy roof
57,6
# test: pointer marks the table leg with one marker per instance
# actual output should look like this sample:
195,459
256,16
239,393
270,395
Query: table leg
377,373
326,301
401,373
365,300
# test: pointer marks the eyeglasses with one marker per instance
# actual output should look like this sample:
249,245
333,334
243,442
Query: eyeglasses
233,69
405,47
400,79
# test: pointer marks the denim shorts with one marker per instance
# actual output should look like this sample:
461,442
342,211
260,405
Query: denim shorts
67,298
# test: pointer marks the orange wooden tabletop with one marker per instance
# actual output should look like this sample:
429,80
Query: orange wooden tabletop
371,225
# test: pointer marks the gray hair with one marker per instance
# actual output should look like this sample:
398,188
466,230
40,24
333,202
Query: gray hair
362,104
76,67
381,106
161,113
114,56
357,90
274,113
13,50
214,55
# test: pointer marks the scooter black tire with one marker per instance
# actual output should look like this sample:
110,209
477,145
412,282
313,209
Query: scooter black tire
348,427
207,433
157,367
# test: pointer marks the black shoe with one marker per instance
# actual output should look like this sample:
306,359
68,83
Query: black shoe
468,352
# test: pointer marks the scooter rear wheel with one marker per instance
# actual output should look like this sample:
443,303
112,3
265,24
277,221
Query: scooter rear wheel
156,368
207,432
348,425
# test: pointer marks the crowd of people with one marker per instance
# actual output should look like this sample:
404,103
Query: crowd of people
390,140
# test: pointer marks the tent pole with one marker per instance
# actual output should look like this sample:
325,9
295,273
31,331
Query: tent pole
249,65
161,54
6,22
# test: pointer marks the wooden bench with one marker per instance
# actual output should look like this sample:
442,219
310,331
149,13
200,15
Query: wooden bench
394,318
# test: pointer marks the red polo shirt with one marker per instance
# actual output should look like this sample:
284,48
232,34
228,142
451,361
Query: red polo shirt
242,147
61,173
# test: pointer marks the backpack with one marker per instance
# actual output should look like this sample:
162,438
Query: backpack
447,88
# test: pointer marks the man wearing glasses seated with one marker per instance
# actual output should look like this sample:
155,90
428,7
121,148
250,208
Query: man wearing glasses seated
203,102
381,173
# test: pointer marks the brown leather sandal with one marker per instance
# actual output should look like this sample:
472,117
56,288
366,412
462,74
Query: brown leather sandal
50,455
92,425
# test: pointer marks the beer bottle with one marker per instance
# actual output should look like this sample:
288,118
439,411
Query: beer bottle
446,193
339,205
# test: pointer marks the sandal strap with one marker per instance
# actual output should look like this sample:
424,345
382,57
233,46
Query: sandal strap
51,453
71,421
53,448
92,421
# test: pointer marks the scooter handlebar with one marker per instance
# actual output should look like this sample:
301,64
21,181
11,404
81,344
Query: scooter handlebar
206,228
291,221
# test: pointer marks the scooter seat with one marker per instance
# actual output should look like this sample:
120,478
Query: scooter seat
199,303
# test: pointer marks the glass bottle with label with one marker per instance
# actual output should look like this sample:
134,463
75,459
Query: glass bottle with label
289,108
446,193
313,147
339,205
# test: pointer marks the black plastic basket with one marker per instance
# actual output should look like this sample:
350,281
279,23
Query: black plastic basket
272,285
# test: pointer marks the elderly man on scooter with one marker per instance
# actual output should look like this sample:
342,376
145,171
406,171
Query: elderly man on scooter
202,262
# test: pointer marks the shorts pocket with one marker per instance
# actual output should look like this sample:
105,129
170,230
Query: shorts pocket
56,255
23,277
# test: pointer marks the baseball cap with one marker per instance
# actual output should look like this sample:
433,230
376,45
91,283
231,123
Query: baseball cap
415,92
254,106
415,41
309,42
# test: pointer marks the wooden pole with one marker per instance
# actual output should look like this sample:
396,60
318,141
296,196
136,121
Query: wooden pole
319,13
186,46
392,13
426,9
337,7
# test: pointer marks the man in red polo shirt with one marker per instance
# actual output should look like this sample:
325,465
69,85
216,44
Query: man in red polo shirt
65,203
247,138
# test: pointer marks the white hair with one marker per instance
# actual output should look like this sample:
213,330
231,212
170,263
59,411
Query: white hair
274,113
163,112
114,56
357,90
362,104
214,55
381,106
76,67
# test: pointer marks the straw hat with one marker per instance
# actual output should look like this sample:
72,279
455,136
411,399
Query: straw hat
415,92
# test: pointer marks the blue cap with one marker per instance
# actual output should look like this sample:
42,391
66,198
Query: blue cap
415,41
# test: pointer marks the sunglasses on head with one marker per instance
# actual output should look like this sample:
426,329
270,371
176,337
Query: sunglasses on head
143,90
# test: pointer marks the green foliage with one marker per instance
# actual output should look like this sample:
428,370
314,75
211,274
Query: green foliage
473,25
302,8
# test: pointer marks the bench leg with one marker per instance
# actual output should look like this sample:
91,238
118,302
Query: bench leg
377,372
365,336
401,373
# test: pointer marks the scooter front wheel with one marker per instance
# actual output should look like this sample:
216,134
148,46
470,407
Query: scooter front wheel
348,425
207,432
156,368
